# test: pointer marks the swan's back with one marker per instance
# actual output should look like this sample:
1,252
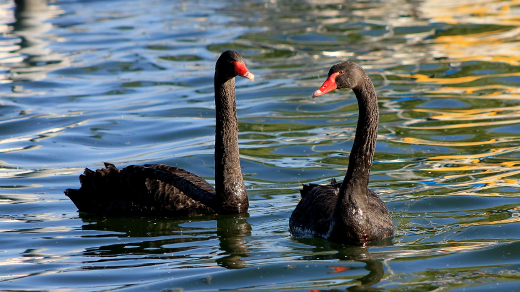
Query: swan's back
143,190
313,216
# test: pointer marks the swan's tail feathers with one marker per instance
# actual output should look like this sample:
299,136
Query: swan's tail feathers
307,189
96,187
73,194
110,165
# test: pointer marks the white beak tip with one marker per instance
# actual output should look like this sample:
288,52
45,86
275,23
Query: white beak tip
317,93
249,76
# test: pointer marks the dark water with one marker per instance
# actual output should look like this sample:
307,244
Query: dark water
83,82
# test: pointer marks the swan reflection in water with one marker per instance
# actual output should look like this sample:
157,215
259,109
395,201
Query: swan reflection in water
204,241
346,255
179,240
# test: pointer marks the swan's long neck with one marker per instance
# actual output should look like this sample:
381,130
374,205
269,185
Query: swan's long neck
352,196
362,153
229,184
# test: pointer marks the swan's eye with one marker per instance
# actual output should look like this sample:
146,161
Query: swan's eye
341,72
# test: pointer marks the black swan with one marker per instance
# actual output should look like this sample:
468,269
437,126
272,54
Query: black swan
347,212
161,190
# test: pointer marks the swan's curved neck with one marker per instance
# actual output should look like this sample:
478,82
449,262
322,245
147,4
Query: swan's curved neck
353,192
362,153
229,184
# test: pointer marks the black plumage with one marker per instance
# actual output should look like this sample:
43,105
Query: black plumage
347,212
161,190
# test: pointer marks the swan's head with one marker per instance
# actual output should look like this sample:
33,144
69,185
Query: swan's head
342,75
231,65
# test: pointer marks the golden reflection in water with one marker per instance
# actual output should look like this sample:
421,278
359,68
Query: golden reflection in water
466,125
476,172
498,91
497,43
417,141
483,30
461,246
472,114
456,80
468,247
495,222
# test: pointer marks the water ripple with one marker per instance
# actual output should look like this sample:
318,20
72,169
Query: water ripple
84,83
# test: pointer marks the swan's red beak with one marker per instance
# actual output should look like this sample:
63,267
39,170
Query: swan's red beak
241,70
328,86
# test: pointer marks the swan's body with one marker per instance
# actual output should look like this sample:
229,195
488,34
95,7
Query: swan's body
161,190
347,212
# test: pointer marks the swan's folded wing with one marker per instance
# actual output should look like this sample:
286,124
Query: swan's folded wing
188,183
153,190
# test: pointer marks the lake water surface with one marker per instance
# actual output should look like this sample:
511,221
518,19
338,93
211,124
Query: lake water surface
82,82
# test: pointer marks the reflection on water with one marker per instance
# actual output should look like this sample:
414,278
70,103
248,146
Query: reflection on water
174,239
87,82
31,57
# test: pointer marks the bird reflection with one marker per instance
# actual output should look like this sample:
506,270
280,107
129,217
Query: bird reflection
231,231
350,253
175,239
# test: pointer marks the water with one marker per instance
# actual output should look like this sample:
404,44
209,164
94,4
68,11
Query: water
82,82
